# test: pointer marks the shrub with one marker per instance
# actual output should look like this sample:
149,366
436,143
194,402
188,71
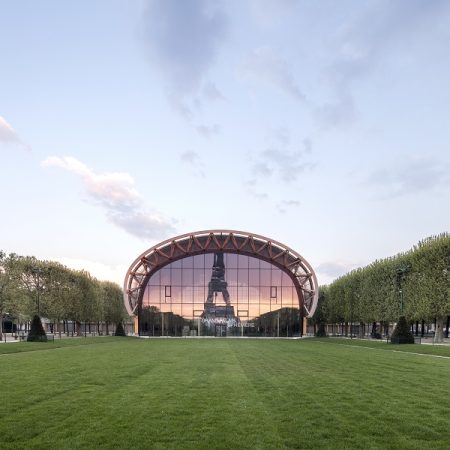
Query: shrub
119,330
36,332
402,333
321,330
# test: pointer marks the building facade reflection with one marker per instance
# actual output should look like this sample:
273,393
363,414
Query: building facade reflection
220,294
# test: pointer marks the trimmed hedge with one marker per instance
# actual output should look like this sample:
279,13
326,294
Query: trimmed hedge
402,333
36,333
119,330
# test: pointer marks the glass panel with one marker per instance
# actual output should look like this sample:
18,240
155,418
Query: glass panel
253,263
199,261
165,307
176,294
154,296
264,294
231,276
242,277
200,293
254,294
188,262
242,262
188,294
264,277
253,277
155,279
287,296
286,279
242,294
188,277
230,260
176,277
276,277
199,277
209,260
176,309
165,275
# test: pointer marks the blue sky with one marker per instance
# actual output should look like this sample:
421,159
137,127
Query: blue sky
324,125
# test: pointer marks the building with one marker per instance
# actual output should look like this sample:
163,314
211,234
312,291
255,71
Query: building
220,283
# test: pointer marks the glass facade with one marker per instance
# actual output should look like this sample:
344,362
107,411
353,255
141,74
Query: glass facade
219,294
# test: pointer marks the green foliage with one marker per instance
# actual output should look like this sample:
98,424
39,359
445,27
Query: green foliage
37,333
59,293
415,284
119,330
402,333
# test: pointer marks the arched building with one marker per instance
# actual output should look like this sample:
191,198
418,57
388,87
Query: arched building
220,283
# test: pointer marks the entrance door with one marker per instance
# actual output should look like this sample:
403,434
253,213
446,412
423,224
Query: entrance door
221,330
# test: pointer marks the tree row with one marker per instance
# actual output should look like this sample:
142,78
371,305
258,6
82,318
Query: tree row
414,284
29,287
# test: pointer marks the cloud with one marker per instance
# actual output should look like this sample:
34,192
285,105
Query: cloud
271,12
287,165
211,93
193,159
116,193
367,40
101,271
208,131
279,161
286,204
265,64
411,176
9,136
257,194
334,269
182,39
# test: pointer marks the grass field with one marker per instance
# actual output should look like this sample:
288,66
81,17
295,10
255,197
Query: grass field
223,393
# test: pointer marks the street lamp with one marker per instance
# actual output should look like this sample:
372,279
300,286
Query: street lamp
401,275
38,272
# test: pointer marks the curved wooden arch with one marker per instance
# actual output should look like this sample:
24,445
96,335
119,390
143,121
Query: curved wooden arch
227,241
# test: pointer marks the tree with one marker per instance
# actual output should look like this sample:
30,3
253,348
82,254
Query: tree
402,333
119,330
36,333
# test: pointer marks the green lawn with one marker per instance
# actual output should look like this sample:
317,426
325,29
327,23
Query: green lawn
223,393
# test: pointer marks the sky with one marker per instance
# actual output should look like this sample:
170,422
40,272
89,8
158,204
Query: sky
324,125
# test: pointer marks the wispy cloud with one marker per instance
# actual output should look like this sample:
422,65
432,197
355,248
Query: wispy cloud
211,93
183,38
265,64
117,195
193,160
364,41
9,136
287,165
334,269
208,131
411,176
284,205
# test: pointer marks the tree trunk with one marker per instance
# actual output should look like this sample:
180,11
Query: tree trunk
448,326
439,330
